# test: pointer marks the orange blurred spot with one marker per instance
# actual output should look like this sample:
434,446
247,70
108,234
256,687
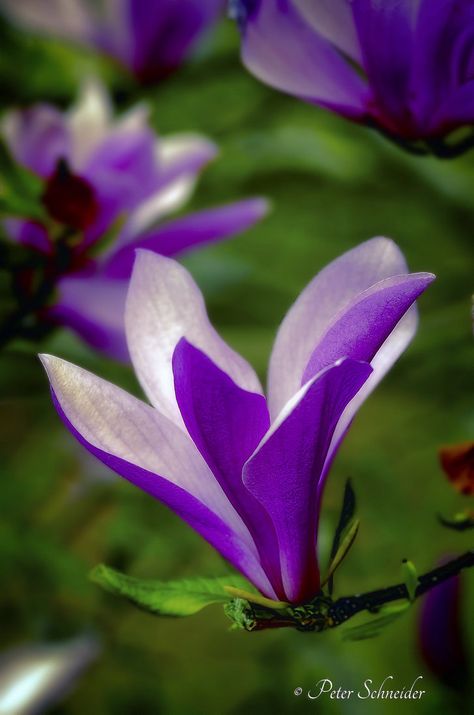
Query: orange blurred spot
457,461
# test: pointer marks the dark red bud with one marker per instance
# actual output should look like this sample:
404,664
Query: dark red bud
70,199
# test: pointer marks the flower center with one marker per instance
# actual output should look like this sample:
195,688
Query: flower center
70,199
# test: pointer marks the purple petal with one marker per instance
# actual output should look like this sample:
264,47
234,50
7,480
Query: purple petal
284,471
189,232
281,49
164,32
226,424
29,233
37,138
386,35
333,20
361,329
443,63
329,293
457,108
183,156
180,158
441,633
141,445
90,121
94,307
164,305
124,172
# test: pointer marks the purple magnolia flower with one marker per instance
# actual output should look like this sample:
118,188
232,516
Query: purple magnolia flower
441,634
102,173
245,471
150,38
405,66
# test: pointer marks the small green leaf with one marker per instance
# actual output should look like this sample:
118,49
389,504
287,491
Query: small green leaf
343,550
172,598
410,578
108,237
347,513
371,629
20,189
460,522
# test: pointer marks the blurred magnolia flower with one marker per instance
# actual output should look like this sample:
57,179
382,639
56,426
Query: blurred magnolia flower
102,177
150,38
34,677
246,474
441,634
405,66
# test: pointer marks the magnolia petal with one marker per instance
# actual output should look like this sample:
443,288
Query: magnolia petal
226,424
387,355
360,330
89,122
325,297
441,632
284,471
94,306
385,30
443,64
124,172
37,137
145,448
333,20
164,32
164,305
184,234
376,327
283,50
180,159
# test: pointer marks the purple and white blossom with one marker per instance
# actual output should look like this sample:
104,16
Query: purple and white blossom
104,174
405,66
246,471
150,38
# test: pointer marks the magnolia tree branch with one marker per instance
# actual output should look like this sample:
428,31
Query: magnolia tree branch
43,273
323,612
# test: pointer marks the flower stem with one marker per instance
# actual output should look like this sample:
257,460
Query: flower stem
323,613
347,607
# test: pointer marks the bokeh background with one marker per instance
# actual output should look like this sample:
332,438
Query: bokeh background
331,185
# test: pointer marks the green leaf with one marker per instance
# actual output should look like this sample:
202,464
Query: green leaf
460,522
345,517
20,189
172,598
346,543
371,629
410,578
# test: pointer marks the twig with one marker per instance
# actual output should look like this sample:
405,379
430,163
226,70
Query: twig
323,613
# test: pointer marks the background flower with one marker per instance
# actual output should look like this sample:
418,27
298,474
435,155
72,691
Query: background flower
105,175
36,676
249,478
151,39
442,638
403,66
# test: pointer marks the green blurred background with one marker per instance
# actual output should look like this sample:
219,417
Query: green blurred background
332,185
